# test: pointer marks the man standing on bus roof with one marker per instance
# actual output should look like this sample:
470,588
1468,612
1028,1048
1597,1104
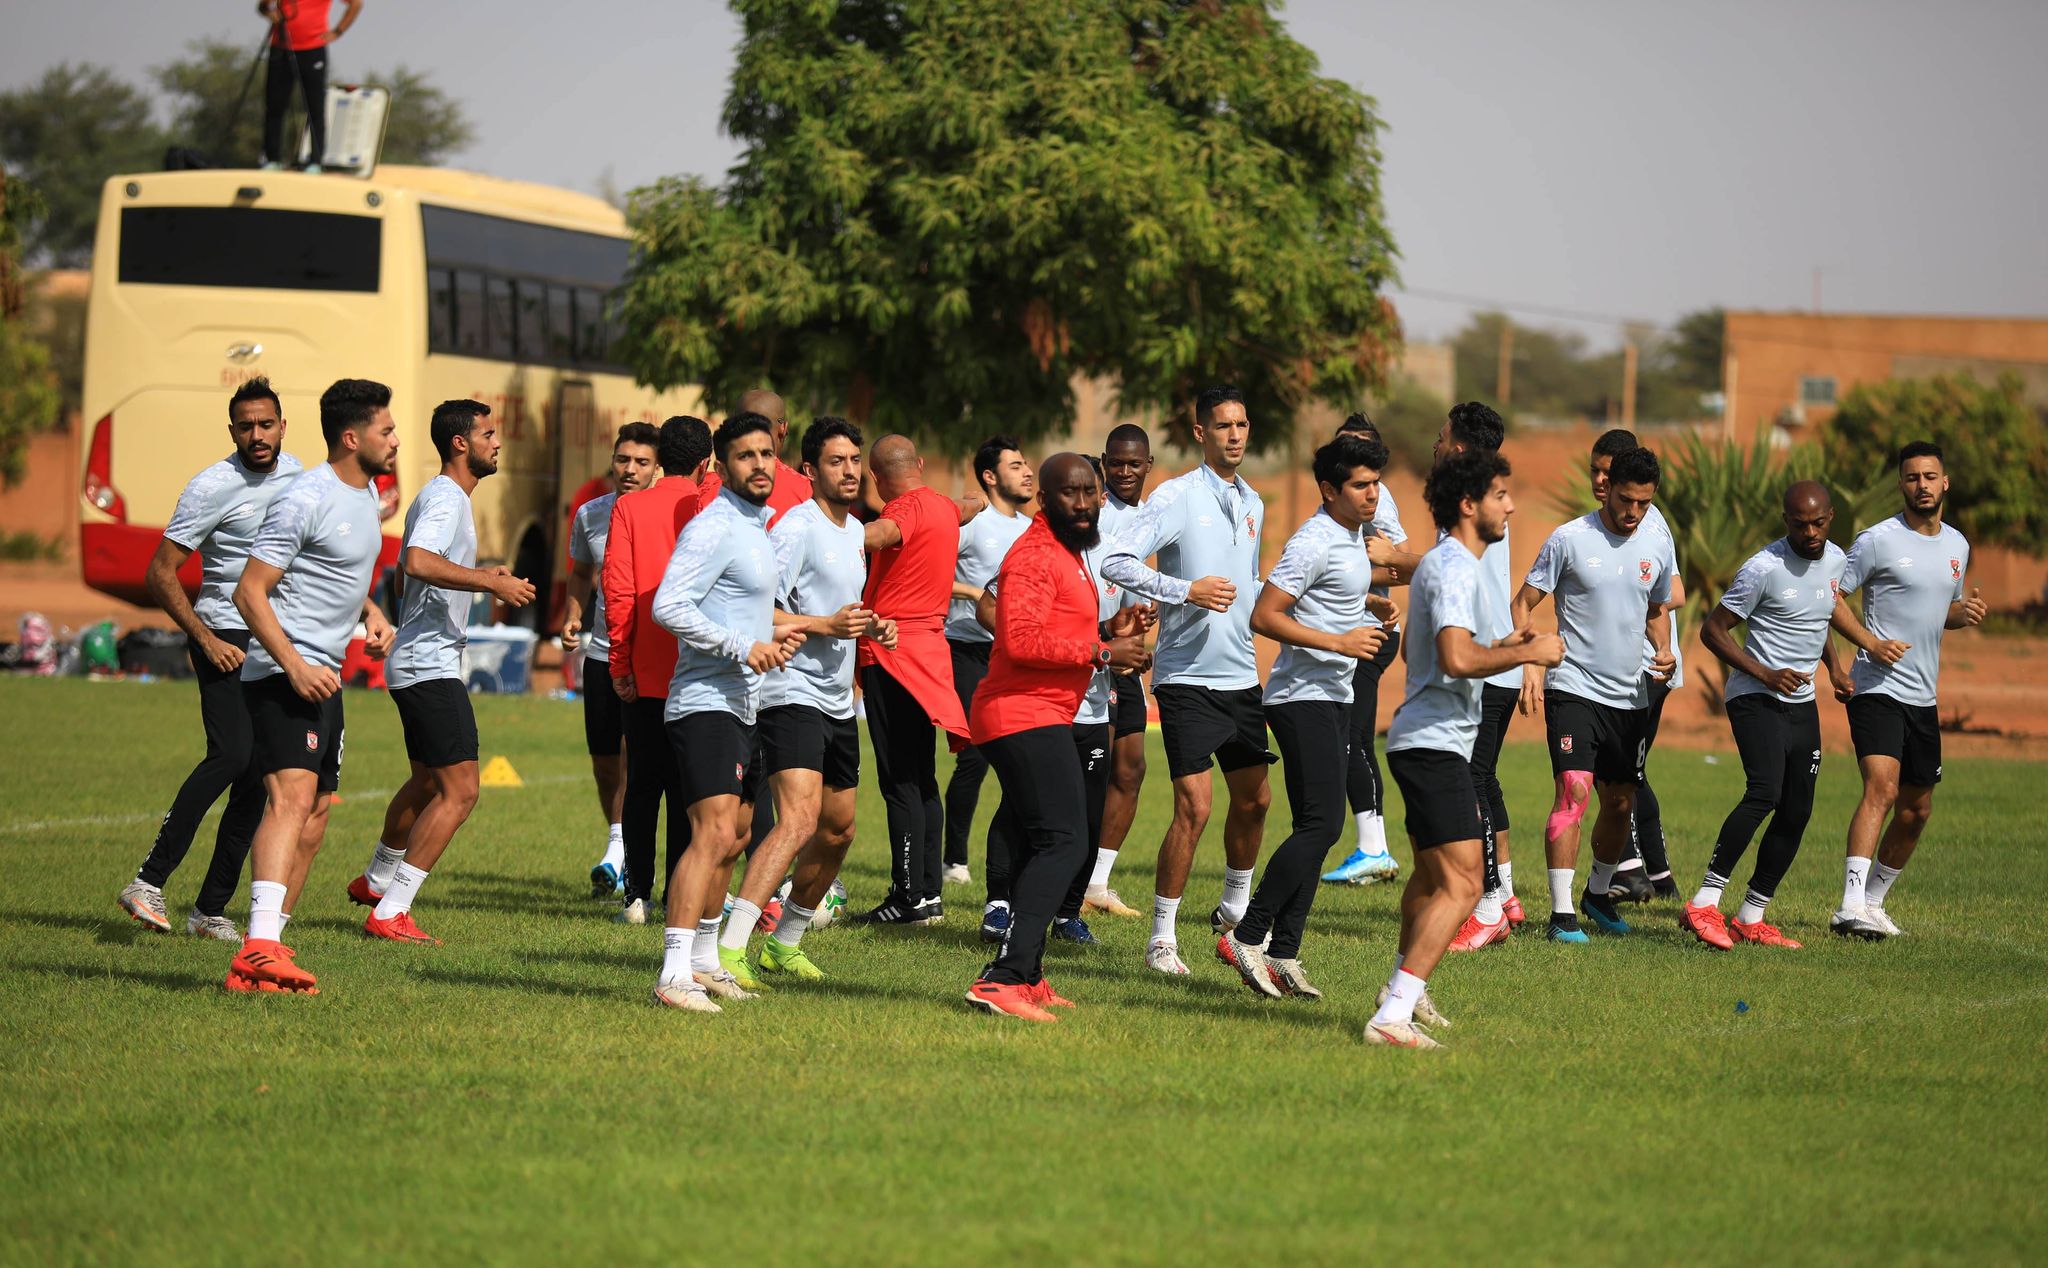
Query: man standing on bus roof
438,560
299,36
217,515
301,594
634,461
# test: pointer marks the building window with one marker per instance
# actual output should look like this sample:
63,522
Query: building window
1817,389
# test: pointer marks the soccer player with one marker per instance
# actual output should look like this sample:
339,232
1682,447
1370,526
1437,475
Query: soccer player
635,463
792,486
1645,871
637,552
1204,526
718,599
1048,646
913,547
424,672
1910,571
1609,579
1429,746
1369,862
301,594
217,515
1314,604
1126,465
1007,482
808,738
1785,595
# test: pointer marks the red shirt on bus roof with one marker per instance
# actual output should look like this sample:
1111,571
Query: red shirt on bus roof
645,525
1046,641
911,584
305,23
792,489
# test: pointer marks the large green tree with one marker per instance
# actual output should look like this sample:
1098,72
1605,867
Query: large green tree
1995,445
947,209
29,399
65,134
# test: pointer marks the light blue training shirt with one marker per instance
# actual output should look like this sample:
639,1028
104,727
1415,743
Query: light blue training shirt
1603,584
433,622
218,515
1439,712
1908,579
821,567
1199,526
322,532
1325,568
1784,600
718,598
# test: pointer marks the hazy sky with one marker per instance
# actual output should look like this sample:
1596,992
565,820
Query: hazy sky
1626,158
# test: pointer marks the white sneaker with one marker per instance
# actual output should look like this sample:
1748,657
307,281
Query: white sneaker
723,984
1425,1009
1250,963
687,996
1875,914
957,874
1857,924
1293,979
1399,1034
1162,956
219,928
633,913
145,902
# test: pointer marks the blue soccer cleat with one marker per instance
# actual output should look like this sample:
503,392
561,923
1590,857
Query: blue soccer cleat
605,881
1599,908
1363,868
995,922
1564,927
1075,930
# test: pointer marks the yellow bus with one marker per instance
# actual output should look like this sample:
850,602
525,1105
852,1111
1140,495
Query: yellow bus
440,283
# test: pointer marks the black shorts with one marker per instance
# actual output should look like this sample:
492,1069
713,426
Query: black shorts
1589,736
799,737
1198,723
1910,734
1128,711
1437,789
713,751
604,714
440,727
292,732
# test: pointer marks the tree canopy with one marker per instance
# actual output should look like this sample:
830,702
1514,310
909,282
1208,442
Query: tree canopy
945,211
29,400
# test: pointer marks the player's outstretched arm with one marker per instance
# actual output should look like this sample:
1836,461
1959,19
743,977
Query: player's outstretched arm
1886,651
169,594
1463,656
1968,611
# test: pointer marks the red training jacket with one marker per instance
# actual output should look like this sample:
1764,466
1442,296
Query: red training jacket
1046,642
645,525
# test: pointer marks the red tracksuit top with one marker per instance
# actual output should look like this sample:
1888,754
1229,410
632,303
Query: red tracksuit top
645,525
1046,643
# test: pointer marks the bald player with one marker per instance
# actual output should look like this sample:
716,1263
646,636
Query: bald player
1786,594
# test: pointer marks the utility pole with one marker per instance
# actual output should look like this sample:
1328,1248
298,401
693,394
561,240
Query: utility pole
1628,384
1504,379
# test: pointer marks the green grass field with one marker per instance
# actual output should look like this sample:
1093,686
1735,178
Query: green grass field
512,1096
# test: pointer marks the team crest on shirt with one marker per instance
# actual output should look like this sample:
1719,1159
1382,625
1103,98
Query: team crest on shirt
1955,569
1248,523
1564,743
1643,571
1834,588
312,741
739,771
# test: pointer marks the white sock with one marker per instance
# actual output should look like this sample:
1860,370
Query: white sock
1237,892
398,895
1628,865
1489,909
615,848
1855,872
1880,884
1164,912
704,955
1752,909
739,922
383,866
1710,891
1104,860
266,910
283,918
1372,832
1404,990
1560,890
790,929
675,954
1507,879
1601,879
1364,819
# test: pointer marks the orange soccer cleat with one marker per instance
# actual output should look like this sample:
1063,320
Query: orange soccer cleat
399,928
264,964
1004,1000
360,893
1707,924
1045,996
1761,933
1473,935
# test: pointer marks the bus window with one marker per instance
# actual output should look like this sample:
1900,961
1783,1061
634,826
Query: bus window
250,246
469,313
440,311
498,341
533,322
561,326
589,327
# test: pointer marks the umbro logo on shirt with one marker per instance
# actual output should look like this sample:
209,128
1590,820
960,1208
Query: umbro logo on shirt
344,527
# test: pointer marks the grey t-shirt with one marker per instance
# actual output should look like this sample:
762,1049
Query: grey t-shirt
1386,522
1198,526
1440,712
1654,522
718,599
1109,596
1908,579
1785,601
984,540
433,622
1603,585
322,531
218,515
1325,568
821,567
587,536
